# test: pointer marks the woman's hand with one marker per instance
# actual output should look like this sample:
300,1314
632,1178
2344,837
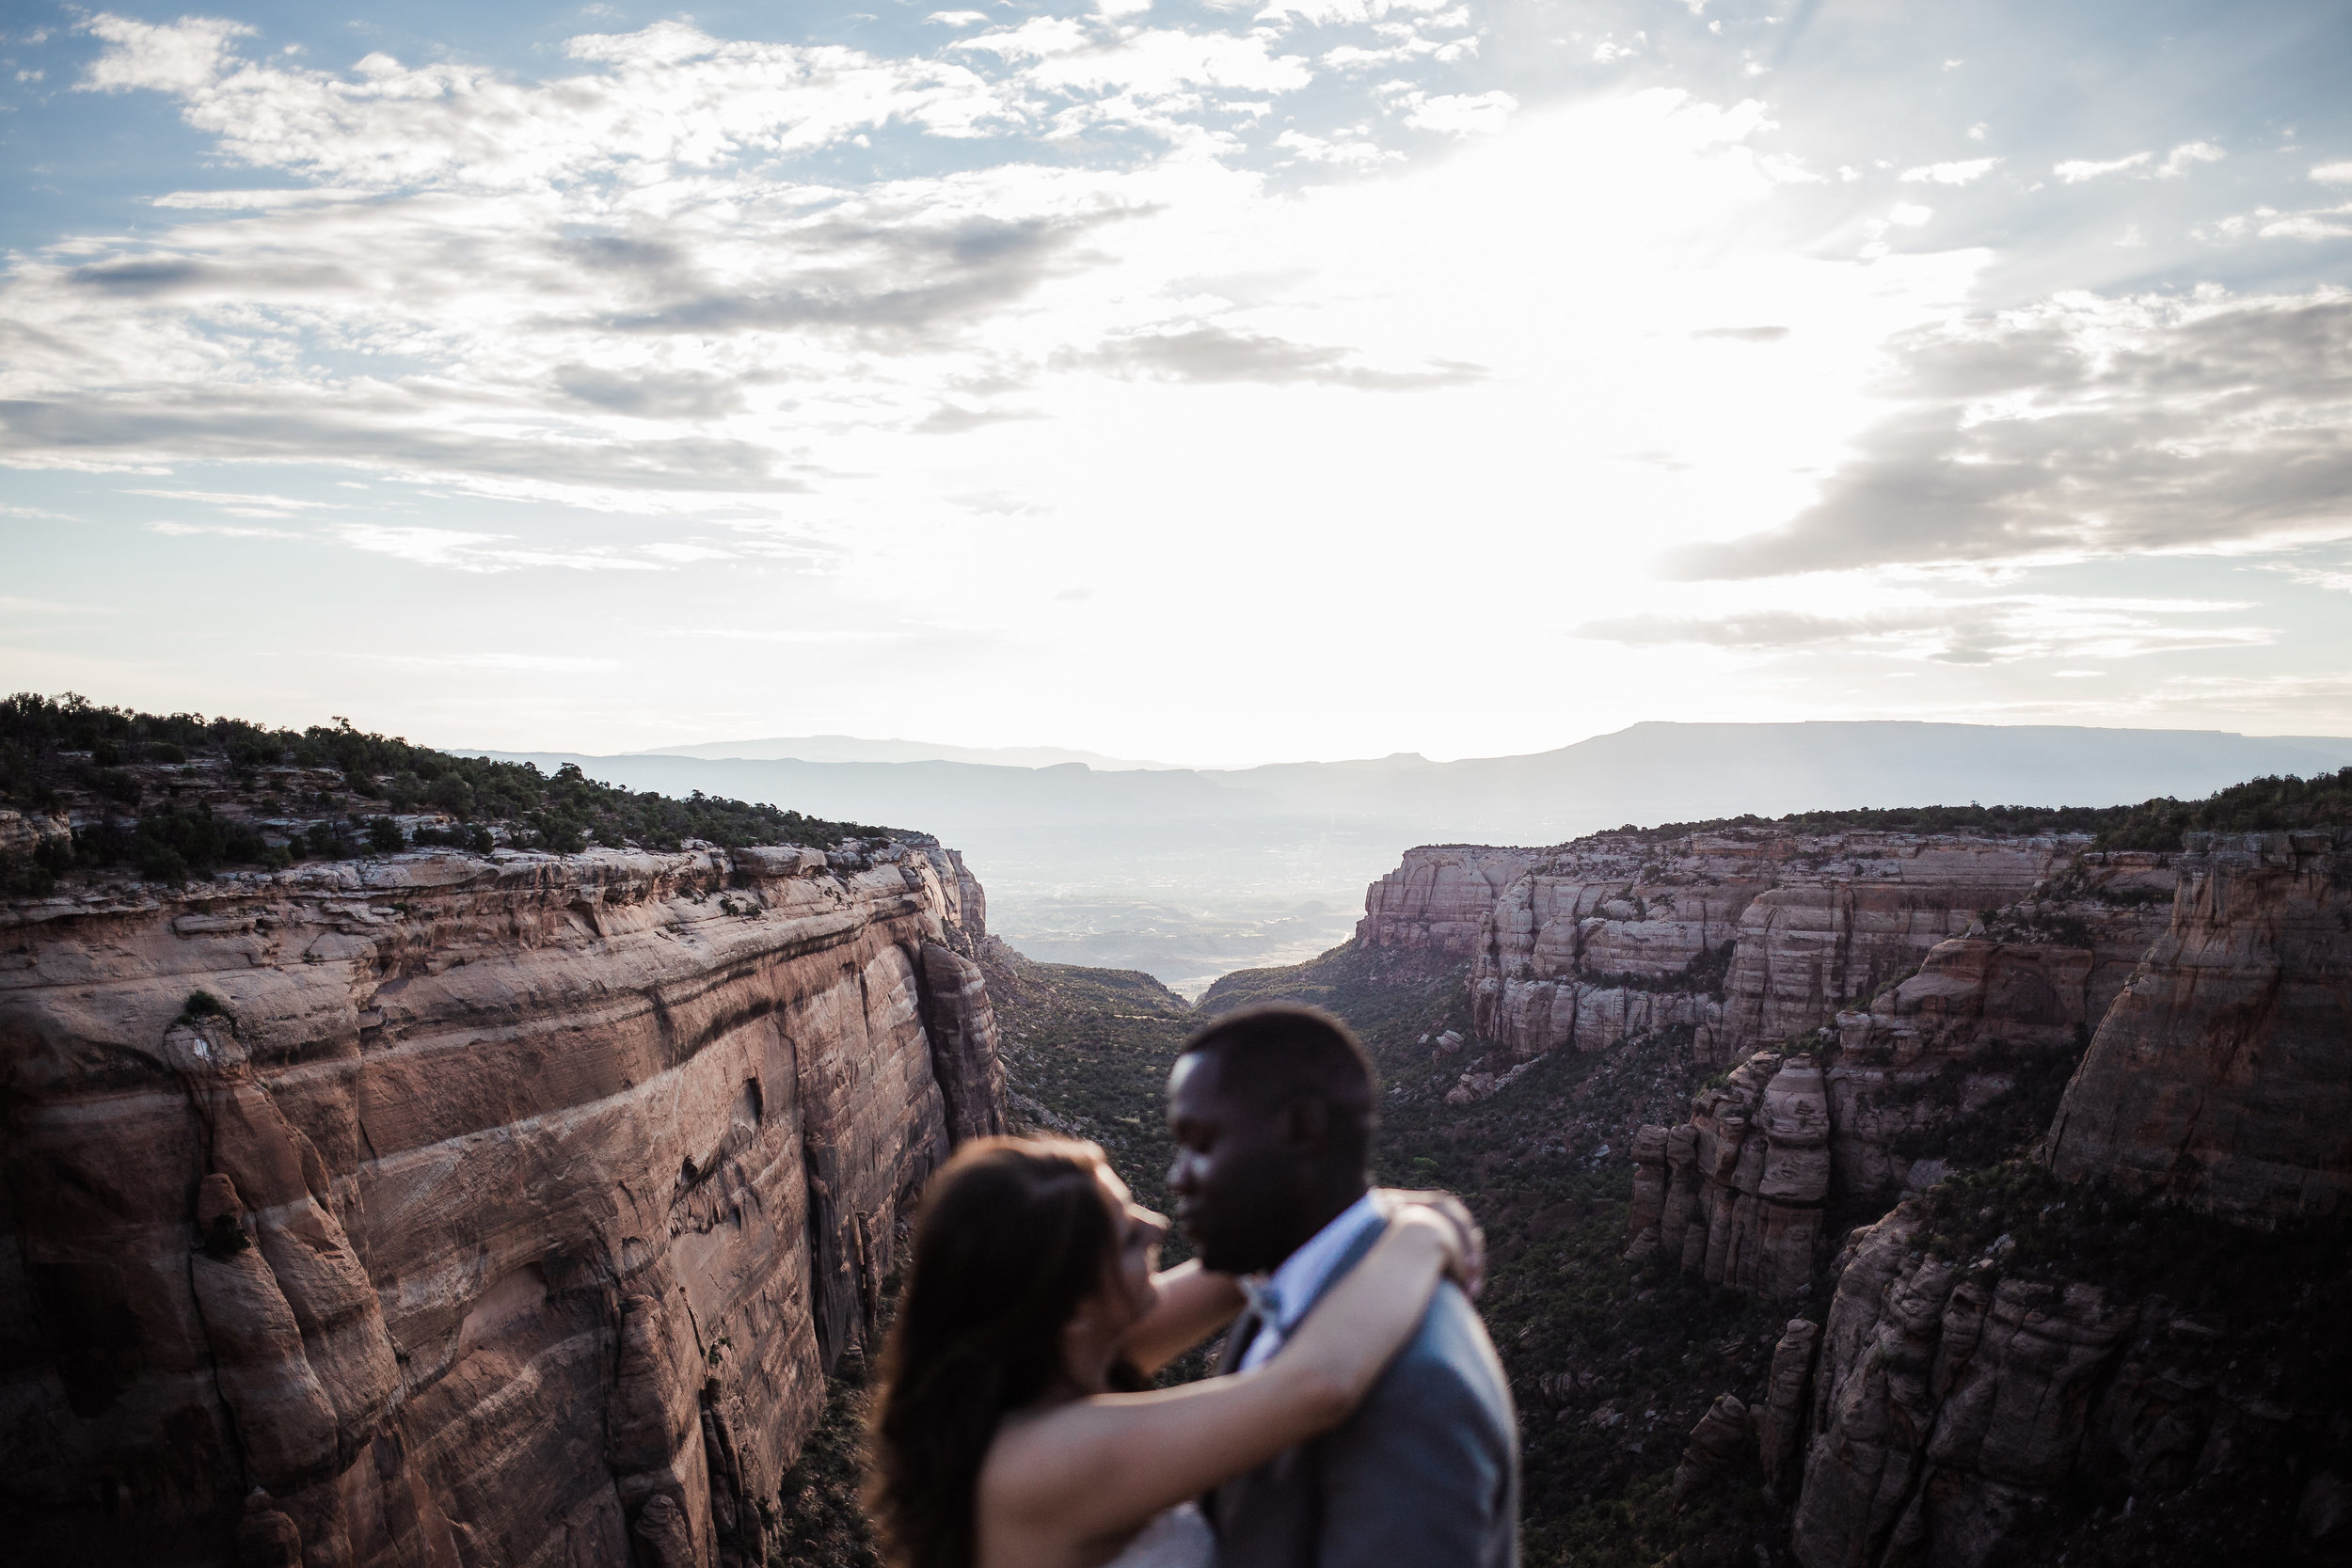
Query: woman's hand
1469,1266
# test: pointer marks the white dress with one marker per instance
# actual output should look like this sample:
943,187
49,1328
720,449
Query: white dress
1179,1538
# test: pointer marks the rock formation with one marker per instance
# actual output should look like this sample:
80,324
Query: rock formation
1952,1402
2218,1076
446,1209
1880,1105
1736,1196
1742,935
1436,900
1955,1394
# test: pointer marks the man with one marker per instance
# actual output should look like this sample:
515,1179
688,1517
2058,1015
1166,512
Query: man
1272,1111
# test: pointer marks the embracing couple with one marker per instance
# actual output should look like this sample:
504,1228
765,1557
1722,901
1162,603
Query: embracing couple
1359,1417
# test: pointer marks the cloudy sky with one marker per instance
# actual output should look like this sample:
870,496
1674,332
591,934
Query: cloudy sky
1217,381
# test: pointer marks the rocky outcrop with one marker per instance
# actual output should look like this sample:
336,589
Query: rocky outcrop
1780,1416
2222,1075
1719,1442
1744,936
446,1209
1739,1200
1436,900
1952,1402
1937,1072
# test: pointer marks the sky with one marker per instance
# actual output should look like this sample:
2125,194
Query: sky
1216,383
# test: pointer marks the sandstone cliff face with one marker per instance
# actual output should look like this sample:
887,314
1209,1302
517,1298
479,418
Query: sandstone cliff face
1744,936
1436,900
1734,1198
478,1212
1951,1402
1954,1396
1884,1103
2218,1076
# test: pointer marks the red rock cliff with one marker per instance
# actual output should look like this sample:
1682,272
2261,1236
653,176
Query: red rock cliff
1744,936
488,1211
2222,1074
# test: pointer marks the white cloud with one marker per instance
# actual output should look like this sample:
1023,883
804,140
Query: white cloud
2339,581
2188,156
666,95
1917,624
1328,14
2076,170
2334,174
475,552
223,530
1357,153
238,504
2086,428
1910,215
1461,114
1960,173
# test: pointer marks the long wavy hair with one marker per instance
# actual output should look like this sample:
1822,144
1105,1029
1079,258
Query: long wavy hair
1014,1234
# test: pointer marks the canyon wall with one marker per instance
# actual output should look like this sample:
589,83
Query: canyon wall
444,1210
1742,935
1962,1385
2221,1077
1436,900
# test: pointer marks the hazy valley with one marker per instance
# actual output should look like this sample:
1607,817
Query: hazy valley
1188,874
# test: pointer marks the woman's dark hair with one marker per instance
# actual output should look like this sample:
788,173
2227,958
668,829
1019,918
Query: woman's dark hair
1014,1235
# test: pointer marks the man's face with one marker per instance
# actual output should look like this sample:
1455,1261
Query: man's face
1239,1177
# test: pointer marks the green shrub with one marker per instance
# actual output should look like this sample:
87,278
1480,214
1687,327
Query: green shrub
384,835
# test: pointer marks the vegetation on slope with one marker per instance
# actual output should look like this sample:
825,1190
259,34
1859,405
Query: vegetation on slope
2259,805
174,795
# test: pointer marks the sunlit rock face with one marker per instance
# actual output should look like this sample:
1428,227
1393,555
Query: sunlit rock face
499,1212
1437,899
2222,1074
1743,936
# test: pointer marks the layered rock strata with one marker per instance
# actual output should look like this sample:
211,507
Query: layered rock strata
2218,1076
1879,1105
1955,1401
444,1209
1736,1196
1743,936
1951,1403
1436,900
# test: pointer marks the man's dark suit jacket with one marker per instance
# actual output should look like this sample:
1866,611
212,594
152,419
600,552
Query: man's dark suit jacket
1425,1473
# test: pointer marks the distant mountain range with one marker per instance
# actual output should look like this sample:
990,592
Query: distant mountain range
850,748
1189,873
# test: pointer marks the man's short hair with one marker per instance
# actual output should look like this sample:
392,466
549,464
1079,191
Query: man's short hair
1273,1054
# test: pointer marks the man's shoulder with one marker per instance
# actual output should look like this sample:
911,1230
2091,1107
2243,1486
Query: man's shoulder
1448,1362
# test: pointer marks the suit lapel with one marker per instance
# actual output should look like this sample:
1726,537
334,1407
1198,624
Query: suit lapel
1237,1341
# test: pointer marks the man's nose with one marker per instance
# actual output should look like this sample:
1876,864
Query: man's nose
1180,1173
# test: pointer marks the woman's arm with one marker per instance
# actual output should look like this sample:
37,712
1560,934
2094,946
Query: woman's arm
1193,1303
1103,1466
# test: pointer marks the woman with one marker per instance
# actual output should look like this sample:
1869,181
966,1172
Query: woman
1016,1428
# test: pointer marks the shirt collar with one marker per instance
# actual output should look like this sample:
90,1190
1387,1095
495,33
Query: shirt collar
1301,1275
